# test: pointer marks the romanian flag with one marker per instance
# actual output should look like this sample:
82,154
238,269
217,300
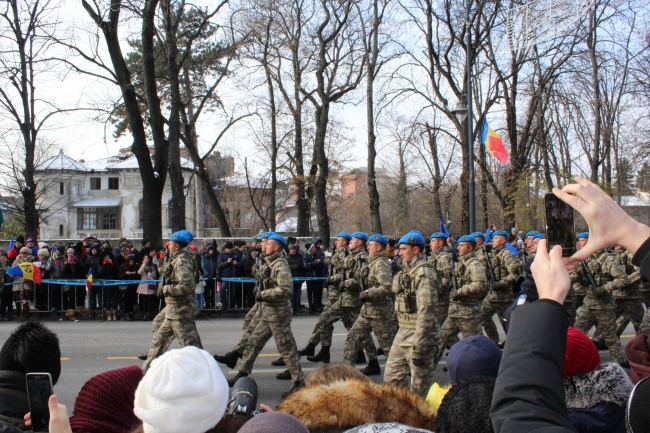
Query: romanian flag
89,280
493,143
27,271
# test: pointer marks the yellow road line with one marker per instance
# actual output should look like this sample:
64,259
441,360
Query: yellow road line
65,359
628,336
119,358
269,354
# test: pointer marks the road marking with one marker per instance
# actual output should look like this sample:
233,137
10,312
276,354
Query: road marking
628,336
65,359
269,354
120,358
280,370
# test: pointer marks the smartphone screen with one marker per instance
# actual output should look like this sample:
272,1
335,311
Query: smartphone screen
39,390
560,229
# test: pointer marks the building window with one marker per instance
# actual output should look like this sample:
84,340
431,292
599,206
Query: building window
113,183
98,218
61,188
61,232
95,183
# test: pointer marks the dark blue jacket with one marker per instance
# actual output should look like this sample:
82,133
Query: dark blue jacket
312,268
605,418
228,270
210,265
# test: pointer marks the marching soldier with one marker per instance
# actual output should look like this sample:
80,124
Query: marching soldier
415,346
276,314
181,275
483,256
599,307
465,302
440,260
377,313
507,268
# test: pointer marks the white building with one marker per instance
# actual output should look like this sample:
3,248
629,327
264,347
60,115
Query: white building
104,198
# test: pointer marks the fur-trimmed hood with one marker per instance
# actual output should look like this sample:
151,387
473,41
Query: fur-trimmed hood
607,384
346,404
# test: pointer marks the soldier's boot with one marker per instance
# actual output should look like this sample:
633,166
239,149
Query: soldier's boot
600,344
322,356
372,368
361,357
296,386
278,362
232,380
142,356
309,350
285,375
230,359
380,351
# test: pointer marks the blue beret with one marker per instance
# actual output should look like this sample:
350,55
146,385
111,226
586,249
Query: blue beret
501,233
417,232
583,235
254,239
360,235
378,238
279,238
532,233
190,234
265,235
438,235
481,235
345,235
412,238
538,235
467,238
181,236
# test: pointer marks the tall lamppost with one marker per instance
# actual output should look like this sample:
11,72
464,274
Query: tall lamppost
464,110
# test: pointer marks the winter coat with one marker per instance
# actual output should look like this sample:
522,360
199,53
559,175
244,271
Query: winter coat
143,252
54,267
122,275
92,262
295,264
247,266
14,403
313,268
107,271
75,270
638,353
147,272
529,391
228,270
27,285
209,265
341,405
596,400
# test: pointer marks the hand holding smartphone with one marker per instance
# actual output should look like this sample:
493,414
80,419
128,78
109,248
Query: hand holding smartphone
560,227
39,390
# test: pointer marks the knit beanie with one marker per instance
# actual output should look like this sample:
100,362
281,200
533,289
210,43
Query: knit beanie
70,251
43,252
42,245
581,354
473,356
20,238
228,245
61,249
183,390
105,402
274,422
638,354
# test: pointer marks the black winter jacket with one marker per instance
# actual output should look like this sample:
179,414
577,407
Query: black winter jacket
295,264
642,258
14,404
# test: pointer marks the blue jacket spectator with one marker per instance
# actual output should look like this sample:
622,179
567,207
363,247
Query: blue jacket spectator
210,263
230,262
313,262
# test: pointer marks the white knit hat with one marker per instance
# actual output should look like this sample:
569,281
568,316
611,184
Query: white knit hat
183,391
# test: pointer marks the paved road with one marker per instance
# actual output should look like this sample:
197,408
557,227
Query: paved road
91,347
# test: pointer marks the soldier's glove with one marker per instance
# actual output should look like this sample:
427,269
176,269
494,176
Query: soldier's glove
602,290
364,297
418,360
259,297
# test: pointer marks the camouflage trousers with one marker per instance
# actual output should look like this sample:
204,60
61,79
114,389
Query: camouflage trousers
579,300
645,298
384,329
467,324
250,323
490,306
442,308
164,331
645,324
286,344
400,365
628,310
605,322
570,307
325,327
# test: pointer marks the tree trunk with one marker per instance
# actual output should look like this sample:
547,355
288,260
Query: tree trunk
320,187
402,193
372,53
437,177
591,48
274,133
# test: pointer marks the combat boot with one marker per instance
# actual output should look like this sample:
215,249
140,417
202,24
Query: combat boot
380,352
361,357
232,380
296,387
285,375
278,362
230,358
322,356
372,368
309,350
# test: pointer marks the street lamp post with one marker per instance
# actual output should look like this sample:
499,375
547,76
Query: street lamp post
464,110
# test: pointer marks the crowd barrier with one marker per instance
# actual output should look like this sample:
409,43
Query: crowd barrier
110,283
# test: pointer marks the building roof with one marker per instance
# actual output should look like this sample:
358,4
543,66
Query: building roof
240,181
61,162
634,200
98,202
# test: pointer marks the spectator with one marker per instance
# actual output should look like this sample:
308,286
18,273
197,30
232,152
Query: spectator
74,296
297,270
637,416
14,252
109,270
210,270
595,394
314,268
147,291
30,243
206,244
387,427
229,267
247,269
638,354
488,233
23,292
95,292
512,245
121,257
55,267
41,290
390,249
466,407
144,251
31,347
129,272
118,249
274,422
5,291
106,245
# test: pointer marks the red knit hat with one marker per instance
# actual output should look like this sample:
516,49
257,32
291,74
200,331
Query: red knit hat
581,354
105,402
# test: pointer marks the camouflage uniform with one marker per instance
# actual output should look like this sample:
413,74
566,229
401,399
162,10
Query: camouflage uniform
598,308
377,313
465,303
488,324
181,275
579,292
252,318
507,269
416,294
276,314
440,260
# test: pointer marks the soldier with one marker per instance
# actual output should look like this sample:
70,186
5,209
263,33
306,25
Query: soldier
181,274
415,346
252,318
578,289
335,310
598,309
377,313
465,302
276,314
440,260
483,256
507,268
628,299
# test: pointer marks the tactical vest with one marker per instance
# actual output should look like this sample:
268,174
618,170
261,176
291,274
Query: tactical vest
406,304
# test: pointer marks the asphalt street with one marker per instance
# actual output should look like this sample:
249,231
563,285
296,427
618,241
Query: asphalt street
90,347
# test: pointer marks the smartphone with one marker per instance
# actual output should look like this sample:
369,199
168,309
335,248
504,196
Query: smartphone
560,228
39,390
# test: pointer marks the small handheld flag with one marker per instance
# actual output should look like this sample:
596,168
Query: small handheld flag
11,243
443,229
493,143
89,280
27,271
